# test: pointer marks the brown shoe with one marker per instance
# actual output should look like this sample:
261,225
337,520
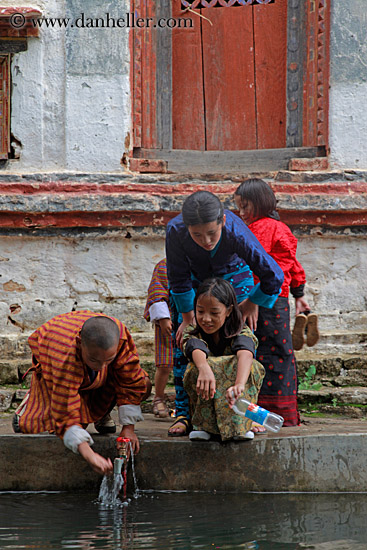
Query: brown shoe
106,425
312,330
298,333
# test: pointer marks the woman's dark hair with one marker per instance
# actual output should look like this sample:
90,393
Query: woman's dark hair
225,294
261,195
202,207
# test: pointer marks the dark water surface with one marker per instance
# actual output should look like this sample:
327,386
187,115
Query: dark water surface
184,521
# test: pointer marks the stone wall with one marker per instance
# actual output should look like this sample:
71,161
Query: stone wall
76,245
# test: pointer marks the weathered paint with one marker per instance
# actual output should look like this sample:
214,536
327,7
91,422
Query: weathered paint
73,204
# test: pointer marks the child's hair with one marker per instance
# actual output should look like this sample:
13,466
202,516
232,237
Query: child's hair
261,195
225,294
202,207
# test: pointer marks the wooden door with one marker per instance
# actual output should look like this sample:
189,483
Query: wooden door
229,78
244,82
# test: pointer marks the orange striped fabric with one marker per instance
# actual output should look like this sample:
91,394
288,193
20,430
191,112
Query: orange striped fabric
158,292
61,393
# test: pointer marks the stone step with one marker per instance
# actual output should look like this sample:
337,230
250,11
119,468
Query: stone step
9,370
356,395
10,397
350,402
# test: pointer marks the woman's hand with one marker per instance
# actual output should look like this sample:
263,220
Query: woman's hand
179,334
233,393
205,386
250,313
166,326
188,318
301,305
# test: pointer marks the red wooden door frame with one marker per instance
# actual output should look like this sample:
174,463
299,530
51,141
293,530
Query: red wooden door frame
308,34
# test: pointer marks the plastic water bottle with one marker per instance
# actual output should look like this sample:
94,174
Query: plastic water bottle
269,420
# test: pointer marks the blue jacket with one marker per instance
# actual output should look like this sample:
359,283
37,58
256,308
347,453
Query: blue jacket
238,251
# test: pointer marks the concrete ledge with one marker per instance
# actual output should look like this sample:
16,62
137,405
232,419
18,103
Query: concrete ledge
313,463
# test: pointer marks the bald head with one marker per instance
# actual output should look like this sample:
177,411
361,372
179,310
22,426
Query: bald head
100,332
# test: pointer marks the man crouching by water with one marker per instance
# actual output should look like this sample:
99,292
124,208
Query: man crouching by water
83,364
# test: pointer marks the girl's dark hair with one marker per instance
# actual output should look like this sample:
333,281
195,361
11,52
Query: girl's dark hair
261,195
202,207
225,294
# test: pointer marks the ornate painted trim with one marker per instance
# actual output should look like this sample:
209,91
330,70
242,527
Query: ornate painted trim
316,89
198,4
136,80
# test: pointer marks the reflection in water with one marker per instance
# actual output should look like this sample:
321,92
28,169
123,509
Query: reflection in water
172,521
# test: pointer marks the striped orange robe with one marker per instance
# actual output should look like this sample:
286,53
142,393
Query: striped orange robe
158,292
61,393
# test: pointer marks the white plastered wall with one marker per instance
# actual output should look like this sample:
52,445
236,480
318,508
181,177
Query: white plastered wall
348,85
71,92
43,276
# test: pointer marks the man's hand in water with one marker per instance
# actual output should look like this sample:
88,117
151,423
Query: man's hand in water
96,462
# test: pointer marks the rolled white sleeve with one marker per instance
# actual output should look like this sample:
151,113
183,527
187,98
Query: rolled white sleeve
159,310
130,414
74,436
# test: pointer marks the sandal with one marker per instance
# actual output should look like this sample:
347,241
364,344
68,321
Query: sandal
160,409
185,423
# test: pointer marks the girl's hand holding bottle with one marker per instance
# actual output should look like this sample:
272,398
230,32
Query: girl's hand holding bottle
233,393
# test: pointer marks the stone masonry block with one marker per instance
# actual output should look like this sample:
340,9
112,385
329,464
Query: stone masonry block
316,164
6,397
148,165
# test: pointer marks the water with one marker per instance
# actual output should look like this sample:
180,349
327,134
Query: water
182,521
109,492
113,489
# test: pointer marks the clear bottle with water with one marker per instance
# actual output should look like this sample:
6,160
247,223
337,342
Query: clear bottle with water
269,420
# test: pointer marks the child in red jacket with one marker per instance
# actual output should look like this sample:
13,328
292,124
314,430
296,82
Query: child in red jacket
257,206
